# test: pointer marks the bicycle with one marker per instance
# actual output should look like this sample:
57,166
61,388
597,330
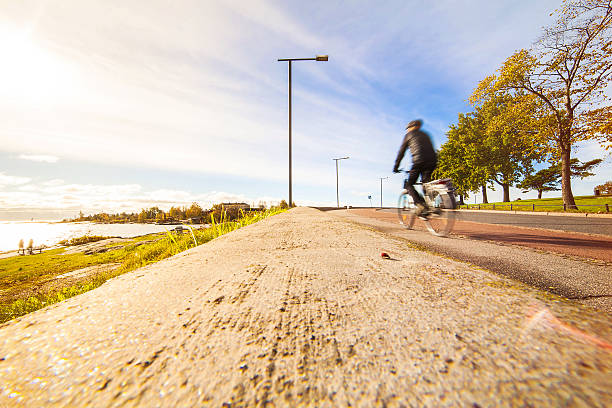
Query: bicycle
440,198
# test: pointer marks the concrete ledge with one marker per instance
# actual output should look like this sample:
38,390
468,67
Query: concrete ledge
300,309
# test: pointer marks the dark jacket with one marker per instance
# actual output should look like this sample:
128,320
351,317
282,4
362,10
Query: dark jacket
420,147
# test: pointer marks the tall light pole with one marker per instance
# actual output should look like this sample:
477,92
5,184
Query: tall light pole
317,58
381,179
337,194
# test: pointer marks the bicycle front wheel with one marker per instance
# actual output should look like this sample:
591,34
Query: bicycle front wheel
405,210
442,218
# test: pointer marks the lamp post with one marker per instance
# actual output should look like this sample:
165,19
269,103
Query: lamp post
381,179
317,58
337,194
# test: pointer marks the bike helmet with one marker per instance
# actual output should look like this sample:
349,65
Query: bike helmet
415,123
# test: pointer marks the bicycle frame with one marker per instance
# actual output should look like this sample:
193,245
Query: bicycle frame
440,197
442,186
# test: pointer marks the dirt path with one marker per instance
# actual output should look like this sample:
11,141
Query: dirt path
301,309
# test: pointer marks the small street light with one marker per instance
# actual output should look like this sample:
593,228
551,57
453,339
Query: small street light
381,179
317,58
337,194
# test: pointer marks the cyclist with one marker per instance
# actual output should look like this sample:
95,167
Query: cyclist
424,161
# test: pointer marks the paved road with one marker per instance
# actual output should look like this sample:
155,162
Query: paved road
573,265
301,310
570,223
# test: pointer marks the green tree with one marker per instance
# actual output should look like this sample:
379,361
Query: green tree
152,213
175,213
497,143
582,170
194,211
568,70
549,179
544,180
283,204
457,157
142,216
605,188
510,142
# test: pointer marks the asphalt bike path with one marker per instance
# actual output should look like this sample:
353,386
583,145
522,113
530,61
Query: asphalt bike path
529,230
300,309
573,265
600,224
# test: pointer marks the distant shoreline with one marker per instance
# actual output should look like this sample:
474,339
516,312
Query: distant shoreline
51,233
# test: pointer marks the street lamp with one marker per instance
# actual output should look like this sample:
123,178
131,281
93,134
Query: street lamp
317,58
337,195
381,179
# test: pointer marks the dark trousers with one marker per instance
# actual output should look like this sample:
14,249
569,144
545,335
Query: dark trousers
418,169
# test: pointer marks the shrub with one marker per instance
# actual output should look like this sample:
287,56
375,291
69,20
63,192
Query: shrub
605,188
85,239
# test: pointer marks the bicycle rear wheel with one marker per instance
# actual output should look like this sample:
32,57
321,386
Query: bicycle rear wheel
442,218
405,210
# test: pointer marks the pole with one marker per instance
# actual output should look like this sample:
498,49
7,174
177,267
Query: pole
337,194
290,193
289,60
381,191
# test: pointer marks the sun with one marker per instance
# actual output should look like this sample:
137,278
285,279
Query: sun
31,74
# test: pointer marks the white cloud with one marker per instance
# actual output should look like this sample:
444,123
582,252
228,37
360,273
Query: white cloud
196,87
207,85
39,158
53,183
6,180
56,195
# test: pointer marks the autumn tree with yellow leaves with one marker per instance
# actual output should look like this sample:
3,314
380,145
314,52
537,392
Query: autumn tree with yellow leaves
568,70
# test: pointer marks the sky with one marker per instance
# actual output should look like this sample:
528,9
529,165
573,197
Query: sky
114,105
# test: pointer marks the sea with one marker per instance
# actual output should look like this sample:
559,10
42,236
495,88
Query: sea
50,233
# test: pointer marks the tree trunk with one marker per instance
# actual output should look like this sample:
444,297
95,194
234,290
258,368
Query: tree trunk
484,195
461,199
539,194
506,188
566,184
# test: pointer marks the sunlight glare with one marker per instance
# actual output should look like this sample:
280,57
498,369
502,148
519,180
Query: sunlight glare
32,75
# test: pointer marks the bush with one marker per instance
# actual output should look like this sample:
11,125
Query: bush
605,188
85,239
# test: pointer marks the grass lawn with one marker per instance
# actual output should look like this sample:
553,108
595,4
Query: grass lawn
586,204
30,282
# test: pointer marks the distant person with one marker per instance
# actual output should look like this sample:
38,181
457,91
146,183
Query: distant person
424,162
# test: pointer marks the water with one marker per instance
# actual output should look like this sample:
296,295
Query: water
48,233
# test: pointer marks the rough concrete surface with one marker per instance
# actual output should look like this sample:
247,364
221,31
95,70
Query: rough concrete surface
300,309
